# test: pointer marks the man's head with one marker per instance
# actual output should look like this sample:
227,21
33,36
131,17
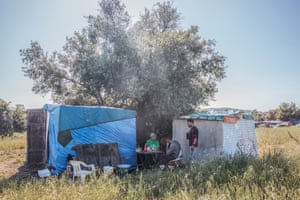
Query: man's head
190,123
166,140
153,136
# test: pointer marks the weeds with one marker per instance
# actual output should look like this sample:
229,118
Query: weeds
233,177
273,175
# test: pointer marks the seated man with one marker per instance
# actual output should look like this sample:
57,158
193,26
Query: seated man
152,144
173,150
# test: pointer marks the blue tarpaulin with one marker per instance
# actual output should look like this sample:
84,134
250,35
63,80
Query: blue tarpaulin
72,125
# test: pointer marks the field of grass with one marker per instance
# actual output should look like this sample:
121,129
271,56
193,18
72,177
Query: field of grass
274,175
279,139
12,154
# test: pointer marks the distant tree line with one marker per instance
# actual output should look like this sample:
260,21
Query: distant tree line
284,112
11,119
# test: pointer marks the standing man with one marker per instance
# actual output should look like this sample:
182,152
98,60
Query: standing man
192,137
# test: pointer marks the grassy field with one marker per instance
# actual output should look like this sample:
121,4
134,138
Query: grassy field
12,154
274,175
285,139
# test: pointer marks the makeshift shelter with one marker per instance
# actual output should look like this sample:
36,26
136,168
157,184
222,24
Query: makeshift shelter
220,132
70,126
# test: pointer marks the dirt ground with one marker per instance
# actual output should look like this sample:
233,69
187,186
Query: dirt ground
11,162
9,167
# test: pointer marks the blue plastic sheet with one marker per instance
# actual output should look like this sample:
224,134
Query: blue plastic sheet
90,125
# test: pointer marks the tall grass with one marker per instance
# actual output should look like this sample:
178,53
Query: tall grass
17,141
12,154
273,175
279,139
12,146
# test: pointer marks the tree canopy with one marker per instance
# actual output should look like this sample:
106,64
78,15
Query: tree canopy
19,119
11,119
151,65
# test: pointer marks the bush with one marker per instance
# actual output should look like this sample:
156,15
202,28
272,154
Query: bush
6,121
19,120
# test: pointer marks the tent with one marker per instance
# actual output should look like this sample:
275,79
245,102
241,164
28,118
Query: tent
220,132
72,125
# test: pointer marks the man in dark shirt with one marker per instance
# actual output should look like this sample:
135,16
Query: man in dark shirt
192,137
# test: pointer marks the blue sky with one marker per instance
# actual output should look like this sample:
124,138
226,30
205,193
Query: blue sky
261,40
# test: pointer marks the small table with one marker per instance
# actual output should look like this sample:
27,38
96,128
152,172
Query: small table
154,154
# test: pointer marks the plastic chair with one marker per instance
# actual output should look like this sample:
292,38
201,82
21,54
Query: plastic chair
175,162
78,171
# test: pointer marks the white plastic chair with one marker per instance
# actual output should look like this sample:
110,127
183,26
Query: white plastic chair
176,160
78,171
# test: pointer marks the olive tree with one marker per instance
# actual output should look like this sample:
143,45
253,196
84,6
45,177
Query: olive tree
151,65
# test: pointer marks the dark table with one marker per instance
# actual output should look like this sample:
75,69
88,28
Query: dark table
142,155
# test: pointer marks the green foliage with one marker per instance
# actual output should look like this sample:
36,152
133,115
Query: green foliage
11,120
6,121
284,112
151,65
19,119
287,111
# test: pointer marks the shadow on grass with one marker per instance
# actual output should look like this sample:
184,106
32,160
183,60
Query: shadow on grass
25,173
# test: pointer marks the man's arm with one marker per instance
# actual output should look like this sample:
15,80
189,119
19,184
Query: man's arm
171,149
195,141
196,135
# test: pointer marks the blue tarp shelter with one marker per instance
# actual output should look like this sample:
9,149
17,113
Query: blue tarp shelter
72,125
